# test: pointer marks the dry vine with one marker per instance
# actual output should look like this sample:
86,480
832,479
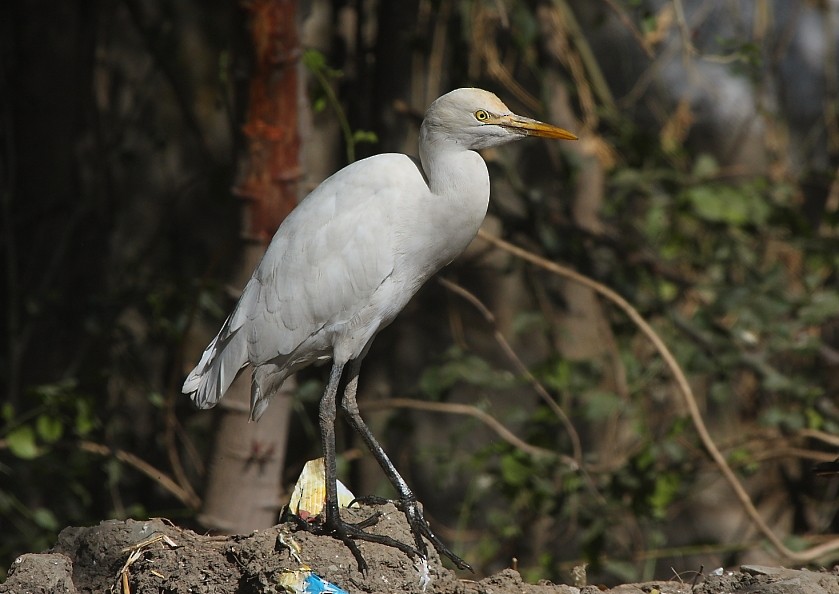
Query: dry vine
804,556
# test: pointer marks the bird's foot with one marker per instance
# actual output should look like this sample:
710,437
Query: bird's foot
286,515
419,527
349,532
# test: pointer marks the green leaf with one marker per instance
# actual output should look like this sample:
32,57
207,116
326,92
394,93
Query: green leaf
600,405
156,400
726,204
22,442
705,167
49,428
314,60
45,519
365,136
85,420
815,420
823,306
665,490
469,369
513,472
559,376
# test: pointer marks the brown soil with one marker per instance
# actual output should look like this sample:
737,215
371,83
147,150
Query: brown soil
157,557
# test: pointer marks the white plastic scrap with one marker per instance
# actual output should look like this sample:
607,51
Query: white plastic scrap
421,566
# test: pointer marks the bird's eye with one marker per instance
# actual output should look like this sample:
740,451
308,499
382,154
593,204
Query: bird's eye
481,115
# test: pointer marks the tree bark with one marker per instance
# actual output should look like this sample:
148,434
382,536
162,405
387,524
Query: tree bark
243,491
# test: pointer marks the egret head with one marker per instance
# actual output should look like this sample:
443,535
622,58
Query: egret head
477,119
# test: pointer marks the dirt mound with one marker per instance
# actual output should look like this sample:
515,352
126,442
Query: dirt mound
155,556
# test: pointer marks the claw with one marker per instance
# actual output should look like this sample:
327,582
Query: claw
420,528
372,500
348,533
371,521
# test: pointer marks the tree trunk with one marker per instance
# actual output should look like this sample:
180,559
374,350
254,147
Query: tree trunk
244,479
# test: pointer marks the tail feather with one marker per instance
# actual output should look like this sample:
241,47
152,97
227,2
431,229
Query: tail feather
266,383
221,362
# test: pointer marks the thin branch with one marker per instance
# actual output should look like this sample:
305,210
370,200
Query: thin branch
827,438
469,411
586,56
831,205
792,452
685,390
520,367
626,21
684,30
326,86
189,499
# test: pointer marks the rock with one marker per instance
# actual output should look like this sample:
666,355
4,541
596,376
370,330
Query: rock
45,573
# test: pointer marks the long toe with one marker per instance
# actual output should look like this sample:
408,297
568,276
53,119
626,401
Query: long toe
420,528
370,521
372,500
348,533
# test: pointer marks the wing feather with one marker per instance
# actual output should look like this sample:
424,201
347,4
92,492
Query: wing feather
329,256
318,276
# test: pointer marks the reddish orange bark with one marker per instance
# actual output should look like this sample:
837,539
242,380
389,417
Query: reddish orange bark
272,165
253,454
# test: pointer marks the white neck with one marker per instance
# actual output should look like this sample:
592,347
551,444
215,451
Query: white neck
459,178
453,171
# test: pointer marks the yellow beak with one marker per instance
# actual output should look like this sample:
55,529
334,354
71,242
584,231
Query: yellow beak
532,127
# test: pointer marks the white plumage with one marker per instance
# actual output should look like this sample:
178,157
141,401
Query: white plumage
346,261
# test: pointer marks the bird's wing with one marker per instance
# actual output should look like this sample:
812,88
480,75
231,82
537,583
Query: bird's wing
328,257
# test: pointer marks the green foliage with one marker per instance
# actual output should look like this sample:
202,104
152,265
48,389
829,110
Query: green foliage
43,444
458,366
736,271
742,289
21,441
324,96
731,205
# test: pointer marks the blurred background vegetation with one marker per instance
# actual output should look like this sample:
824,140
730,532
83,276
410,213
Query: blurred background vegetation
704,190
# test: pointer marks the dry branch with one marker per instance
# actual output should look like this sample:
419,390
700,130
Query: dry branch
805,556
187,497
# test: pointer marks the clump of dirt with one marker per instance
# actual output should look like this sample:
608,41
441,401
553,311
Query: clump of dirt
144,557
756,579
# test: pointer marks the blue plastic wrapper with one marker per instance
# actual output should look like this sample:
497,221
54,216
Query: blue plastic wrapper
303,581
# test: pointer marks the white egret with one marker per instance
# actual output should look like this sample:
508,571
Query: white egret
346,261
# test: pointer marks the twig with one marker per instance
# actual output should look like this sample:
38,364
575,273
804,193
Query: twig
792,452
827,438
189,499
484,40
687,45
521,368
173,427
586,56
469,410
684,388
136,551
831,205
437,53
317,69
630,26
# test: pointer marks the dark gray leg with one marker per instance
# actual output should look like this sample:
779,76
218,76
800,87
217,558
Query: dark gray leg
327,414
333,524
407,499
